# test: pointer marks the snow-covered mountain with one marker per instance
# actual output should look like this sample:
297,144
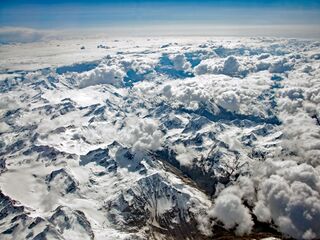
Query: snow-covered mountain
160,138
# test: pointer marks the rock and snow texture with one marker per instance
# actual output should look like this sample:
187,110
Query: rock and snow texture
160,139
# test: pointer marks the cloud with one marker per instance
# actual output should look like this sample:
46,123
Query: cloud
229,100
190,96
143,134
22,35
167,92
289,195
185,155
212,91
230,66
262,212
280,66
301,136
116,70
180,62
209,66
102,74
228,209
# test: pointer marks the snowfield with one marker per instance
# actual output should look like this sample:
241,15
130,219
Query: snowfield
160,138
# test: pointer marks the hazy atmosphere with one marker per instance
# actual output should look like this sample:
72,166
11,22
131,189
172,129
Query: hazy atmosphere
146,17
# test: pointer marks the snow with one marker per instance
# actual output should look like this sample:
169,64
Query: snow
163,125
20,183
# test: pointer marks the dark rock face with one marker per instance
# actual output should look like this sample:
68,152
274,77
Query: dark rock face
62,179
154,202
64,218
15,220
13,217
8,207
100,156
2,165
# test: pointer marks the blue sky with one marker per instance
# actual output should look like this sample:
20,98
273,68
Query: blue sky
55,14
190,15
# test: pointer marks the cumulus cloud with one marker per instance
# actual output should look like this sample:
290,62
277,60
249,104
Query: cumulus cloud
280,66
212,91
180,62
289,195
191,97
313,94
139,65
230,66
184,155
202,68
209,66
301,138
102,74
229,100
280,192
229,209
262,212
115,70
143,134
262,65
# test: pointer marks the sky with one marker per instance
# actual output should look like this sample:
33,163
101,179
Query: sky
145,15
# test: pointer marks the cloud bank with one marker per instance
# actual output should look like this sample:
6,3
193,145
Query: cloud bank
22,35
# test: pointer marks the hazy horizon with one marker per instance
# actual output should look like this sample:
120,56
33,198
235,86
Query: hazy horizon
149,18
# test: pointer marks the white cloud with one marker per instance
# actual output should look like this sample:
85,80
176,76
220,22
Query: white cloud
289,194
143,134
209,66
228,209
21,35
280,66
230,66
229,100
102,74
185,155
191,97
262,212
180,62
